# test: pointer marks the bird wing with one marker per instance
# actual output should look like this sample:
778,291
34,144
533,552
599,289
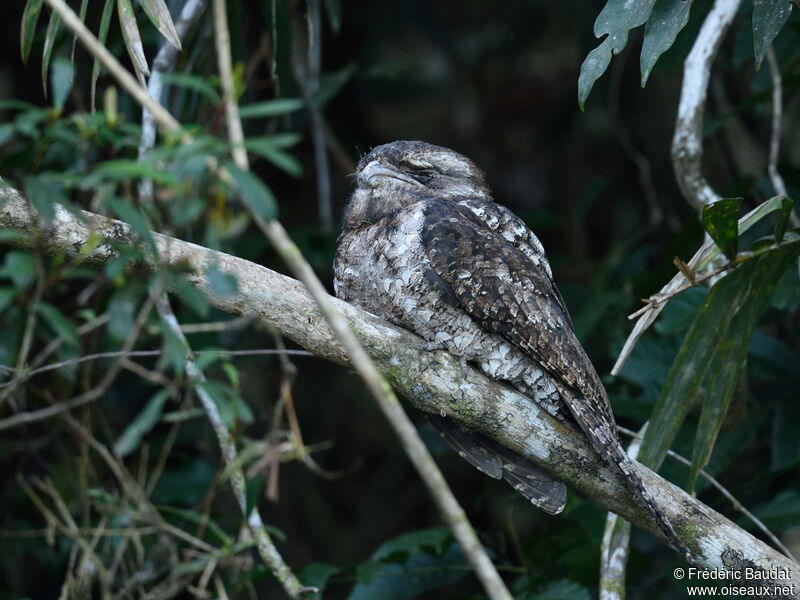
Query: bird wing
499,274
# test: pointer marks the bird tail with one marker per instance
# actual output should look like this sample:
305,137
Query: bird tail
607,444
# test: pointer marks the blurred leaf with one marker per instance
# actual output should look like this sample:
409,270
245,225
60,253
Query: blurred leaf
785,424
721,221
61,76
562,589
126,169
132,38
173,351
720,332
616,19
410,565
195,83
317,575
185,485
121,312
49,44
60,324
18,266
667,19
266,148
7,295
201,519
255,194
43,195
158,13
82,17
222,284
331,84
131,215
231,406
780,513
334,10
102,35
189,296
784,213
271,108
769,17
680,312
30,16
142,424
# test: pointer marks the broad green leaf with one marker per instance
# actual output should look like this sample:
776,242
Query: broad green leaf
195,83
49,44
747,292
264,148
231,406
317,575
722,326
61,76
410,565
7,295
270,108
255,194
158,13
142,424
59,323
616,19
102,35
185,484
18,266
82,17
126,169
769,17
721,221
222,284
780,513
132,38
30,16
666,21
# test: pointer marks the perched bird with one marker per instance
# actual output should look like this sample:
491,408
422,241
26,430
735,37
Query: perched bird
424,246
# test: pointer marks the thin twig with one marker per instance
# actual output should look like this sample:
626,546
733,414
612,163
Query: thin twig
777,116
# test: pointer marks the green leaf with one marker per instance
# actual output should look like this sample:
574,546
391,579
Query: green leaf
720,333
266,148
257,196
271,108
334,10
331,84
60,324
158,13
102,35
127,169
780,513
231,406
19,268
721,221
769,17
195,83
131,215
142,424
190,296
317,575
132,38
30,16
409,566
7,295
43,195
666,21
562,589
616,19
223,284
49,44
121,312
61,76
783,218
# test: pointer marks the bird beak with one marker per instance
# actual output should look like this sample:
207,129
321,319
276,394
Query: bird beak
373,171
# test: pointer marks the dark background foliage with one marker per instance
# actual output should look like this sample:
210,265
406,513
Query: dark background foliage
497,82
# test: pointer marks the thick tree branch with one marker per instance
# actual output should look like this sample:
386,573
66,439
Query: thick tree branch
432,381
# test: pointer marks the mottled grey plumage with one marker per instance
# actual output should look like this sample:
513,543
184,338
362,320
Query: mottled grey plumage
424,246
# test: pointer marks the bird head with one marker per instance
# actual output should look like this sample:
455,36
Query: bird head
397,174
